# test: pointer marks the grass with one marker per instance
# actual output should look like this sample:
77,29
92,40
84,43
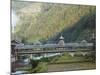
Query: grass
71,66
44,67
66,58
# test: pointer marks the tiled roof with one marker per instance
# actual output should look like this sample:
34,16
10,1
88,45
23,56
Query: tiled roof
54,45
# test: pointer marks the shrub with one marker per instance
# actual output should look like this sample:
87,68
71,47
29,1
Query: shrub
41,67
34,63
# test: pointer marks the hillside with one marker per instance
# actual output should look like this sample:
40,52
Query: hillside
47,21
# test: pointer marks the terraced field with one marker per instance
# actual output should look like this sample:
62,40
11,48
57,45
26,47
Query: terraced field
71,66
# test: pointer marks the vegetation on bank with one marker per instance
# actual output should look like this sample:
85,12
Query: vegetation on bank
66,58
42,65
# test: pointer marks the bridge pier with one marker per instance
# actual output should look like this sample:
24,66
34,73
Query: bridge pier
16,55
44,55
31,56
83,53
72,54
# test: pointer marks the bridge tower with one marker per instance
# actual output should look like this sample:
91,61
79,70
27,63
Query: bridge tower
61,41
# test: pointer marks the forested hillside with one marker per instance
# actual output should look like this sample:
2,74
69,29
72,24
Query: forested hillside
47,21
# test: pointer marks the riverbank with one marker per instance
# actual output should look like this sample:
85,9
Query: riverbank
77,66
64,62
71,66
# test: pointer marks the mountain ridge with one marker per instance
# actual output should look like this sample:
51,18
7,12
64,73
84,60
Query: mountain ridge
50,22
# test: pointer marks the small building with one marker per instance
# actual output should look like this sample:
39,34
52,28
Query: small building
15,43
